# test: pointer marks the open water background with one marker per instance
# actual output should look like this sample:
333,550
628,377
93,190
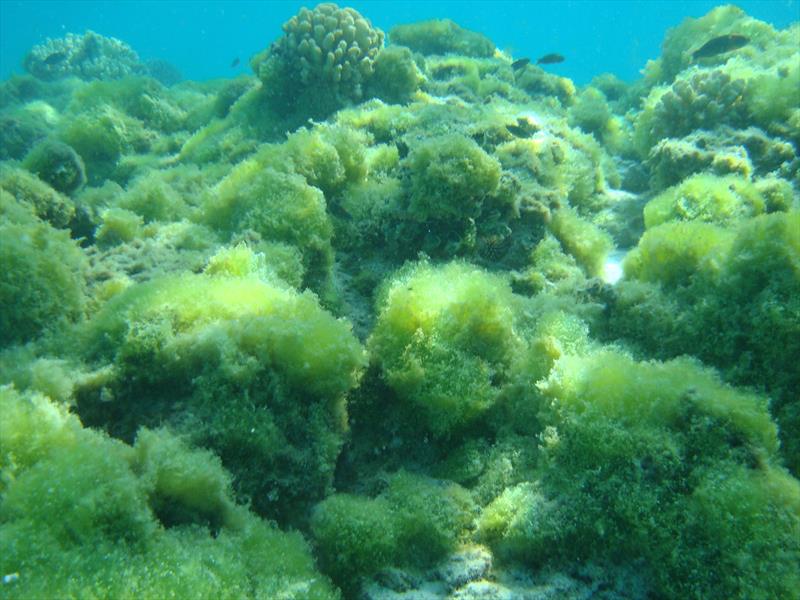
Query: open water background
202,38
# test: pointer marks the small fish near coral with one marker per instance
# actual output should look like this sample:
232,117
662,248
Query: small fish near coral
235,63
520,63
721,45
55,59
550,59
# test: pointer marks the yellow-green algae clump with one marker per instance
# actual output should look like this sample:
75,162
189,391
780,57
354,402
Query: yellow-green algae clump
741,282
42,286
240,362
445,339
83,515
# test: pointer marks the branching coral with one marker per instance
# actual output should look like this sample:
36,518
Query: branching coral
700,99
325,55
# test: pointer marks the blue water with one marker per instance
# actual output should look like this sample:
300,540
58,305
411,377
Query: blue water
203,38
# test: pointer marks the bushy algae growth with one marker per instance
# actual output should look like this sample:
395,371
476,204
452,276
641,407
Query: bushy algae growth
239,361
85,515
395,312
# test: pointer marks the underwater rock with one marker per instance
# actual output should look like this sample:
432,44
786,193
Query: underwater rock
445,340
442,36
257,371
469,574
708,199
42,287
539,83
58,164
45,202
414,522
685,277
396,76
18,135
82,512
722,151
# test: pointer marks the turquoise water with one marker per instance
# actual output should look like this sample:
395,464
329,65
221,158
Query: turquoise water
203,38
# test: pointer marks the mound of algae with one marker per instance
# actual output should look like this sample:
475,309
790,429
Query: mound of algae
84,515
346,327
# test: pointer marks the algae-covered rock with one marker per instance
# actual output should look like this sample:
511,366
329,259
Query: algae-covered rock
729,280
118,226
330,158
415,521
58,165
673,160
156,198
18,134
243,365
442,36
101,136
675,253
543,85
42,286
706,198
445,339
84,515
396,76
279,207
44,201
724,151
372,294
591,112
658,442
586,242
142,98
451,178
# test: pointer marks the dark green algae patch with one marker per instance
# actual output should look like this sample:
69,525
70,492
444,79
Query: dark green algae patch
309,333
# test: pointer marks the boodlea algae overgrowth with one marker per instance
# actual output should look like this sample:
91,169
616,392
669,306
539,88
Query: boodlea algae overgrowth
338,328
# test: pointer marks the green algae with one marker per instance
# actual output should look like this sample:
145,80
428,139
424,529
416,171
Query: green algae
377,319
85,515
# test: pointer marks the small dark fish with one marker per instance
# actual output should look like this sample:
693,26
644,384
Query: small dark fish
235,63
524,127
720,45
402,149
517,131
520,64
55,58
550,59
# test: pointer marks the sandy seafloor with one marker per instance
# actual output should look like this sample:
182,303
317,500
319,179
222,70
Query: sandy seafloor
402,314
